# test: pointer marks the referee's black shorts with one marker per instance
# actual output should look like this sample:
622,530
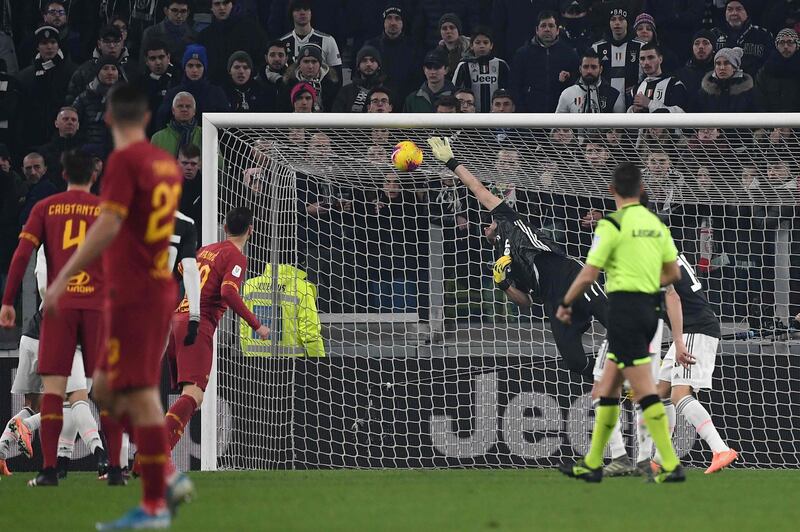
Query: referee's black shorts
632,322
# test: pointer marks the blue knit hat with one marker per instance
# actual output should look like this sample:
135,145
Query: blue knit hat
195,51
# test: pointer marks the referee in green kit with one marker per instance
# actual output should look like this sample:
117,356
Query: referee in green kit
638,255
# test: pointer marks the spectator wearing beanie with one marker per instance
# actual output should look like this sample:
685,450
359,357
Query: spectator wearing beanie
434,87
453,44
481,72
353,98
399,56
311,69
739,31
303,98
778,81
677,21
512,21
619,51
426,27
208,98
229,32
727,89
543,68
701,62
91,104
245,94
576,24
43,85
644,28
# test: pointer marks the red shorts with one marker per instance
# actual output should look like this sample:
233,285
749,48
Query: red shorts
137,335
190,363
61,334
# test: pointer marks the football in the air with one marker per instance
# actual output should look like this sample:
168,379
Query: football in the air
406,156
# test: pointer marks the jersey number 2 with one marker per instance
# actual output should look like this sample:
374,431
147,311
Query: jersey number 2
161,222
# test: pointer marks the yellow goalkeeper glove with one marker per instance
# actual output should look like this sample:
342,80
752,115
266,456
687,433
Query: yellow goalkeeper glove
440,146
500,272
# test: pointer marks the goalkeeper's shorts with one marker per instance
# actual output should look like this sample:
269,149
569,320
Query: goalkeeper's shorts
632,322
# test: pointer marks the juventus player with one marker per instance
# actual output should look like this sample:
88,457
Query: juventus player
531,267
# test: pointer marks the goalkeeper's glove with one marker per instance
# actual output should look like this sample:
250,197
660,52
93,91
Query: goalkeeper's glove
442,151
191,331
500,272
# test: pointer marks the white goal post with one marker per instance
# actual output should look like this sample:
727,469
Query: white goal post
427,364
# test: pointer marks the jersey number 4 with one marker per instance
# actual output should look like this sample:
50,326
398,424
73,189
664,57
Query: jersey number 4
71,237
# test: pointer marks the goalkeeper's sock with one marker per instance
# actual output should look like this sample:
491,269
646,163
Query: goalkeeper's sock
692,410
69,431
87,426
52,421
656,420
178,417
643,438
605,419
616,444
669,408
113,433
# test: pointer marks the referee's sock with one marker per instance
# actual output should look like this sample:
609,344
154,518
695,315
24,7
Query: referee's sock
655,418
605,419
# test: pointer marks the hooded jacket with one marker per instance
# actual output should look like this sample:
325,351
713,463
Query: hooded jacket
86,73
326,85
534,75
733,95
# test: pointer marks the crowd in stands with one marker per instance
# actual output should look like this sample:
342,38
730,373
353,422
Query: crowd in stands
59,59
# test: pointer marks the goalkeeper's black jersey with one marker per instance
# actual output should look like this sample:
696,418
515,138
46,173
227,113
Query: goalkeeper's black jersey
528,247
183,240
698,316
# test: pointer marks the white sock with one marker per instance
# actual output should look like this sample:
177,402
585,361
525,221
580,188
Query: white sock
671,420
698,416
69,431
124,450
643,437
9,437
86,425
33,422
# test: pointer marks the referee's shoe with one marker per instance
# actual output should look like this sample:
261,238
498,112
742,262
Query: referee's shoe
582,471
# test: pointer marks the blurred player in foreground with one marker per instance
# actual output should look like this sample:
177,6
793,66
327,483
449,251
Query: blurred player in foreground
222,270
638,255
141,188
60,223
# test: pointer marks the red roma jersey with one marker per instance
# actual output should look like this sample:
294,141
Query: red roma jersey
60,223
141,184
219,264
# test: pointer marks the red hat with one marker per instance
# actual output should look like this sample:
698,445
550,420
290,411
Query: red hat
302,87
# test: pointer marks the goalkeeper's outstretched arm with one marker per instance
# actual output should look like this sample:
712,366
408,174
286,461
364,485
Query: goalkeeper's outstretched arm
442,151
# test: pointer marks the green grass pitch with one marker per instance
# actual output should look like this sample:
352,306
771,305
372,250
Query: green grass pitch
418,501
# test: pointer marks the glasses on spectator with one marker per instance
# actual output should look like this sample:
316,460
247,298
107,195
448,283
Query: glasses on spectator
54,12
379,101
179,11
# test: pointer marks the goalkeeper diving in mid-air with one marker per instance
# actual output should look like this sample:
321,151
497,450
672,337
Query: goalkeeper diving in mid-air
532,268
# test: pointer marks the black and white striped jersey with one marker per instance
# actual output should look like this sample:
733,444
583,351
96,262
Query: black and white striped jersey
665,93
292,42
698,316
183,242
482,76
620,62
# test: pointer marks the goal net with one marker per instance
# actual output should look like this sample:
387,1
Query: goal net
426,364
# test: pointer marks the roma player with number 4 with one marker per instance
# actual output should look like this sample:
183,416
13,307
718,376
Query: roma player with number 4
60,223
140,192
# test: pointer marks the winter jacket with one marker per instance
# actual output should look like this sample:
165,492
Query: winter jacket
271,87
43,85
352,98
222,38
733,95
175,37
86,72
456,55
778,84
514,23
208,98
754,40
422,100
693,72
425,26
534,75
169,139
327,87
91,105
598,98
400,61
247,98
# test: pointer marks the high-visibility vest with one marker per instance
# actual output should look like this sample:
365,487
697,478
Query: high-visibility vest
294,321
